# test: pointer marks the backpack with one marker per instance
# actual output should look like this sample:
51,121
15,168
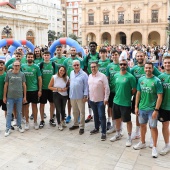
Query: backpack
53,64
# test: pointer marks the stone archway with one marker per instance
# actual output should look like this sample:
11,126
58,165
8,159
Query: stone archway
136,38
30,36
154,38
120,38
90,37
106,38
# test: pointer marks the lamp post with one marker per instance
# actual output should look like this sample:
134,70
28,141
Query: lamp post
169,33
7,30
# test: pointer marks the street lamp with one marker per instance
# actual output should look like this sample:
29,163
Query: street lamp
7,30
169,34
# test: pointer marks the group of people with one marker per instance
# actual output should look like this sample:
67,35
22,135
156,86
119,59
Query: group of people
96,79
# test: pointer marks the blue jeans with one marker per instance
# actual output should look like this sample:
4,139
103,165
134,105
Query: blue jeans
99,114
10,106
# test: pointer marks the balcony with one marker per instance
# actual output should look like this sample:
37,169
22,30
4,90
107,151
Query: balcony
75,28
91,23
75,21
75,14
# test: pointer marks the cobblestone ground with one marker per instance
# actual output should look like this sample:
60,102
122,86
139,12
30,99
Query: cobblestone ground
51,149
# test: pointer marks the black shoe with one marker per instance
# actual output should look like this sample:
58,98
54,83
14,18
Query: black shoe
94,131
52,122
108,125
42,123
103,137
12,127
89,118
31,117
81,131
45,116
73,127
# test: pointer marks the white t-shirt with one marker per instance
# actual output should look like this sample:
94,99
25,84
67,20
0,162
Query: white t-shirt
60,83
123,55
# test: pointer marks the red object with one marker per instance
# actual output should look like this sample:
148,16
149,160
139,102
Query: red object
23,42
7,3
10,41
63,40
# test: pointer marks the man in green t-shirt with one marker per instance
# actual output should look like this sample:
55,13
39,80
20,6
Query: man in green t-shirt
68,63
48,69
164,112
93,56
138,71
2,80
111,70
59,59
34,88
125,87
148,102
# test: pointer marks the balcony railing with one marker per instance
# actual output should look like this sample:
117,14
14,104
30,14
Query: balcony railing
115,22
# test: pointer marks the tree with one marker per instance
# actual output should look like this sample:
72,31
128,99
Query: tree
51,35
73,36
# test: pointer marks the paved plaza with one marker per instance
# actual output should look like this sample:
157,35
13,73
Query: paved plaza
51,149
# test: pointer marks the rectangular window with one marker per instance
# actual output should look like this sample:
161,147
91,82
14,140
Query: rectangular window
91,19
105,19
136,16
120,17
154,16
90,0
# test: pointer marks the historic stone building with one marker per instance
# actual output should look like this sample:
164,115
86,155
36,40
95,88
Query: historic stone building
125,22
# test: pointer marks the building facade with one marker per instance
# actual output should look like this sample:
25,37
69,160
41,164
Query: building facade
51,9
23,25
125,22
74,17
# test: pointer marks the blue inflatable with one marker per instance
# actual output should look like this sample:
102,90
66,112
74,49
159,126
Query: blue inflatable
67,41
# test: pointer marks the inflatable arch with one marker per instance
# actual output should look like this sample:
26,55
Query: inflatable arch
5,42
12,48
67,41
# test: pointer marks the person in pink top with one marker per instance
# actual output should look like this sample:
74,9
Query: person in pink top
98,97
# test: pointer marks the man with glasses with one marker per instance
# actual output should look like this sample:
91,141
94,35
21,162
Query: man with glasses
58,59
68,63
125,87
93,56
98,98
111,70
78,95
14,93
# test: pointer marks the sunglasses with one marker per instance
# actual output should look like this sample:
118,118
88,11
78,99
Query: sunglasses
139,56
122,64
76,65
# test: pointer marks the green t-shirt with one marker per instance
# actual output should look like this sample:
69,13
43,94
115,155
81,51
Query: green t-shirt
47,72
149,88
2,79
9,62
88,61
123,88
38,60
103,65
58,60
165,79
111,70
68,63
138,71
32,72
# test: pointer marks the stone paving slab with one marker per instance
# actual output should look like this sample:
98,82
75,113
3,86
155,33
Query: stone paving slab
51,149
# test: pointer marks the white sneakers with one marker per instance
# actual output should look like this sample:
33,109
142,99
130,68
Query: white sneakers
7,132
154,152
14,122
27,126
36,127
129,142
165,150
139,146
135,136
60,127
111,130
20,129
115,138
